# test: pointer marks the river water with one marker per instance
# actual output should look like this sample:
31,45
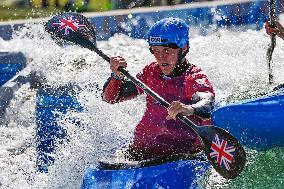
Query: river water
235,62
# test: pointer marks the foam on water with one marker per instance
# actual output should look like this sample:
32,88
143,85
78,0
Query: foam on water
235,63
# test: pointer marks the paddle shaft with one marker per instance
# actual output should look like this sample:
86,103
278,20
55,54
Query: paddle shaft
85,37
273,41
147,90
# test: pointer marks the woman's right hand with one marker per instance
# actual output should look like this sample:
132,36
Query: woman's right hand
115,63
277,30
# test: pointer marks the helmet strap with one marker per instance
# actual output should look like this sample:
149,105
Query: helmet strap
180,58
182,55
180,67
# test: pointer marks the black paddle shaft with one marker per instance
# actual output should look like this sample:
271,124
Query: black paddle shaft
270,49
146,89
223,150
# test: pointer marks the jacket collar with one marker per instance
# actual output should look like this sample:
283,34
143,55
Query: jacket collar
178,70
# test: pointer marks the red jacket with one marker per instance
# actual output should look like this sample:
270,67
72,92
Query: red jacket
155,135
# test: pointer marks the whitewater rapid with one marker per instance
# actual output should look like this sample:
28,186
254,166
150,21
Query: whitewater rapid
235,62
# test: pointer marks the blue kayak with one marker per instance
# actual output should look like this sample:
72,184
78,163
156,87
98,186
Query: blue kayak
146,174
258,123
10,64
52,103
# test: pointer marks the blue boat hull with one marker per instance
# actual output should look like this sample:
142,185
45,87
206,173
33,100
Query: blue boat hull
257,123
10,64
51,105
178,174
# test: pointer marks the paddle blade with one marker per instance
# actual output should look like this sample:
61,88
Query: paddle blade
225,153
72,27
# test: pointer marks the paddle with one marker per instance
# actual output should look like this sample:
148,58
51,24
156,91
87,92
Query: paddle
224,151
273,41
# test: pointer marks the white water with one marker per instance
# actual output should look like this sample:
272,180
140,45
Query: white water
235,63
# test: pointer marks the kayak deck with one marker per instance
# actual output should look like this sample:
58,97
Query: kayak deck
172,172
257,123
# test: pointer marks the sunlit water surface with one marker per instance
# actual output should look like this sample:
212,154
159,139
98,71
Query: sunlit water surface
234,62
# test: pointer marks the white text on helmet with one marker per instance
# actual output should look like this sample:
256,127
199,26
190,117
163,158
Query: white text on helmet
155,39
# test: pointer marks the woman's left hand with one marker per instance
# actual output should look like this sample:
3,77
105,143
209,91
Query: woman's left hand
178,107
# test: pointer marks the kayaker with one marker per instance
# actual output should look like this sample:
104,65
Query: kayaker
176,80
277,30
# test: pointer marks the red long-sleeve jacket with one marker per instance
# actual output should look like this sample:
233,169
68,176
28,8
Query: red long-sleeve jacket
154,135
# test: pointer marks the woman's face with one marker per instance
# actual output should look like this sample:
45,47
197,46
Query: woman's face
166,58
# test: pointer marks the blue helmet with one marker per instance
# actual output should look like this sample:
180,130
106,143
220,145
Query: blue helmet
173,32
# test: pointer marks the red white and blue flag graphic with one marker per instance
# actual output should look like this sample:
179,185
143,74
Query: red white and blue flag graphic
222,152
68,24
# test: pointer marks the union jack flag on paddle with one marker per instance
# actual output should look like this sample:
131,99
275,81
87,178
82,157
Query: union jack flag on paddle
68,24
222,152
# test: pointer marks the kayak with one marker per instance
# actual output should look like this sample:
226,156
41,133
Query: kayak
257,123
52,103
10,64
150,174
